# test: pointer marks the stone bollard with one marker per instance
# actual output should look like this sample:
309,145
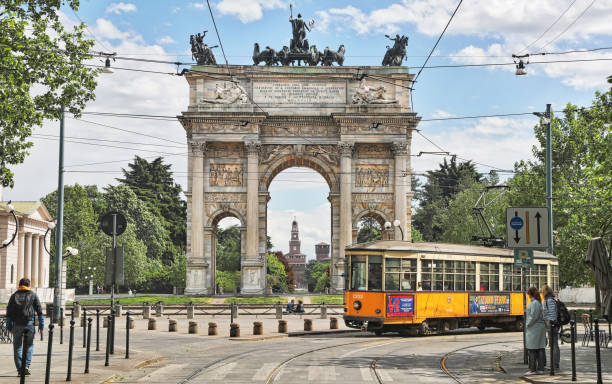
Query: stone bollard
76,310
234,330
190,312
131,322
172,327
105,322
146,312
159,310
323,311
307,324
258,328
282,326
193,327
118,308
333,323
212,329
279,311
152,324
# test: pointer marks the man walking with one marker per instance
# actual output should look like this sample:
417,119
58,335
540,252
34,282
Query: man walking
551,320
20,311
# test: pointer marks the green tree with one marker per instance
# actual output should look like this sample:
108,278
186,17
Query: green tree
317,276
276,277
153,183
228,249
42,68
369,230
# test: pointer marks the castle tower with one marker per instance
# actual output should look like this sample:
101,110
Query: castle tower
294,243
322,252
295,258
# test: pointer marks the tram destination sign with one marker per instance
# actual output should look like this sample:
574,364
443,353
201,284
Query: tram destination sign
527,227
486,304
400,305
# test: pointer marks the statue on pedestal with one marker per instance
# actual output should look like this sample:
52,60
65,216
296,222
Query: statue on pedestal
200,51
396,54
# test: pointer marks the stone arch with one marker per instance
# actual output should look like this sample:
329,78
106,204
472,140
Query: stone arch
306,161
222,213
210,234
380,216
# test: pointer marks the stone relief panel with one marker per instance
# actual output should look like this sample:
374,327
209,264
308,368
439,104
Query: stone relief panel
372,150
271,152
228,93
366,94
288,131
225,150
328,153
206,127
226,175
372,175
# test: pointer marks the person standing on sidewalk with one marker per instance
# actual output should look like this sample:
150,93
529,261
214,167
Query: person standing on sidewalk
535,333
551,320
20,311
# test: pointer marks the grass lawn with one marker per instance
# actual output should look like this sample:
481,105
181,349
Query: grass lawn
259,300
139,300
329,299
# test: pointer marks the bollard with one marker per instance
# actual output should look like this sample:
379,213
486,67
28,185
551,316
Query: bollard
106,362
172,327
84,325
129,324
76,310
551,334
190,312
573,333
333,323
146,312
111,326
24,354
49,354
282,326
307,324
97,329
323,311
159,309
598,352
88,345
152,324
70,345
234,330
193,327
258,328
61,324
118,308
72,313
212,329
279,311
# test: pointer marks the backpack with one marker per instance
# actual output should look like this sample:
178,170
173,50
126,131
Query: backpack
563,316
24,312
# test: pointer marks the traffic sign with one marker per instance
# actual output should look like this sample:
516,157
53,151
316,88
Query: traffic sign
106,223
527,227
523,258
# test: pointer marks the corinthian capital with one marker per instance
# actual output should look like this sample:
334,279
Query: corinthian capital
346,149
198,148
399,148
253,147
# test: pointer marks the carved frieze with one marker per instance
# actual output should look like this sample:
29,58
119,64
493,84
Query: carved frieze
371,95
225,150
218,197
297,131
372,198
329,153
399,148
346,149
237,127
371,175
229,93
372,150
226,175
271,152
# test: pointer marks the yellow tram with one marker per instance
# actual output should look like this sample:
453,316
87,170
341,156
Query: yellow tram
425,288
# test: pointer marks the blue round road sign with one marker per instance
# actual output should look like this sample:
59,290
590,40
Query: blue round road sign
516,223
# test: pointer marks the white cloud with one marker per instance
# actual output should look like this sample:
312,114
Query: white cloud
165,40
441,114
118,8
197,5
247,10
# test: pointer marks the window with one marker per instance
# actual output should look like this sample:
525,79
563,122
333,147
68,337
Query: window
374,273
409,269
512,277
392,275
294,248
555,277
432,275
470,276
426,268
459,275
489,277
358,273
537,276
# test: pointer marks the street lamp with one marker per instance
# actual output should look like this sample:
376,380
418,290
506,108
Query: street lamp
91,271
387,229
10,209
398,224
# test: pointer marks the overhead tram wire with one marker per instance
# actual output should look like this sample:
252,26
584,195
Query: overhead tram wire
549,27
126,130
569,26
219,38
94,139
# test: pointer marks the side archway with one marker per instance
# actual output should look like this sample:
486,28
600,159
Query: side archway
377,215
210,234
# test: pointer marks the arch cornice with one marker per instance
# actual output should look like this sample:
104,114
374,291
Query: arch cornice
325,169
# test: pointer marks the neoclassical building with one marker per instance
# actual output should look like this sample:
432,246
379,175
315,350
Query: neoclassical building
26,256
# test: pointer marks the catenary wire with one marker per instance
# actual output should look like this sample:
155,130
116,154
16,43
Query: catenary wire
126,130
549,27
569,25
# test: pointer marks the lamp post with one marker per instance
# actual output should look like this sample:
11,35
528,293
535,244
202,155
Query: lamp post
10,209
398,224
388,229
58,276
90,275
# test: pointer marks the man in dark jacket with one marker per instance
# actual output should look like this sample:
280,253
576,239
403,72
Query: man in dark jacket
20,311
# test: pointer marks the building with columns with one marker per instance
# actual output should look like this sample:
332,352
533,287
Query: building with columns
295,257
26,256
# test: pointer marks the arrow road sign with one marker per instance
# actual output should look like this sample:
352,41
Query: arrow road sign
521,231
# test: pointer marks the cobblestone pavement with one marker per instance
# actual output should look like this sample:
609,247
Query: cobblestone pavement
159,356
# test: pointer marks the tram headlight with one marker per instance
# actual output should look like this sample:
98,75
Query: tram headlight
357,305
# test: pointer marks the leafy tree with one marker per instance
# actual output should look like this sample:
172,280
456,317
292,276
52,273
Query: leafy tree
317,276
42,68
276,276
228,281
178,270
153,183
288,270
369,230
228,249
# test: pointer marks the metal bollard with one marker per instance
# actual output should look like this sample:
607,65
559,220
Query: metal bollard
333,323
152,324
307,324
84,325
551,334
106,362
212,329
128,324
49,354
234,330
190,312
70,346
279,311
24,354
88,345
172,327
323,311
258,328
598,352
61,324
573,333
97,329
112,336
193,327
282,326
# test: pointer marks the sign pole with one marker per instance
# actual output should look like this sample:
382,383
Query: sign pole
524,285
549,178
113,282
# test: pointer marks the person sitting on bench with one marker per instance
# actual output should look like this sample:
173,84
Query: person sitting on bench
291,306
300,307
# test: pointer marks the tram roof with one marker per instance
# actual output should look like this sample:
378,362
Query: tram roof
407,246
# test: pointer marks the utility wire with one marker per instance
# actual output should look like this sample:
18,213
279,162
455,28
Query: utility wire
90,32
94,139
218,37
549,27
569,26
127,130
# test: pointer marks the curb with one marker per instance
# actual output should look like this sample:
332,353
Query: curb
259,338
327,332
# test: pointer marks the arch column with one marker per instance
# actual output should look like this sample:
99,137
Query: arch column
346,225
400,154
253,265
27,255
34,261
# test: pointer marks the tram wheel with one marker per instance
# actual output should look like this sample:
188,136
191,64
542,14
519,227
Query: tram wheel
481,327
378,332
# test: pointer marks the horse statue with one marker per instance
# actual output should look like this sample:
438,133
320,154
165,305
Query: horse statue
314,56
284,56
330,56
396,54
268,56
200,51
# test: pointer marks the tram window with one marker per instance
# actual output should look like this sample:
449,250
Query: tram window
392,281
470,276
358,273
449,276
507,272
426,269
374,273
459,275
409,265
489,277
409,268
392,265
438,276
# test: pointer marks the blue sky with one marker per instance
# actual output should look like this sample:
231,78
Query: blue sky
483,31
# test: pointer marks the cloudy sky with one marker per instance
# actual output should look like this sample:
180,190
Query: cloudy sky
482,31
